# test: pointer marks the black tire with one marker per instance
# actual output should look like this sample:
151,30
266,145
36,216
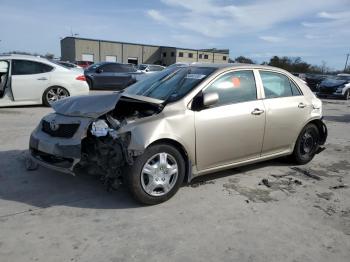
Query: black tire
45,99
347,95
133,174
307,145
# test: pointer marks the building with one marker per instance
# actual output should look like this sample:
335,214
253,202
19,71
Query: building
92,50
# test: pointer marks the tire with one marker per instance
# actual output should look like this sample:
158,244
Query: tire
347,95
156,185
307,145
62,93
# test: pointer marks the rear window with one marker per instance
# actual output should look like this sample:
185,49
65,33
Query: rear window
27,67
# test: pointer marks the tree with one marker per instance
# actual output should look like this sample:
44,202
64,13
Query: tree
244,60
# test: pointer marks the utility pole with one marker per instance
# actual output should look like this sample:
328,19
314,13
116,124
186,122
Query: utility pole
346,62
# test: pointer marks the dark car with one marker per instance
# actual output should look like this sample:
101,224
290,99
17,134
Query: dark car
110,75
314,80
335,87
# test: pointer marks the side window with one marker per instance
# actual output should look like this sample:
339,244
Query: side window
278,85
295,89
26,67
234,87
111,68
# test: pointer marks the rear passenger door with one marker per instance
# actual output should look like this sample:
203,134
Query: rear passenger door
287,111
231,130
29,79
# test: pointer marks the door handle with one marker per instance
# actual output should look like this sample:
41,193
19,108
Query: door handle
257,111
42,78
301,105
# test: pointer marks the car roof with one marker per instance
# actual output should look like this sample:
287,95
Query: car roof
224,66
24,57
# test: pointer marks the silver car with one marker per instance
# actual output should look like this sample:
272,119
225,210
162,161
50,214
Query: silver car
181,123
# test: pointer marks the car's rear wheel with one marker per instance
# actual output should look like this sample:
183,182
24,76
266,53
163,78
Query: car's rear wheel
347,95
307,144
53,94
156,175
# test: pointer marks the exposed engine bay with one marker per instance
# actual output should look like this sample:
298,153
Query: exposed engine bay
104,151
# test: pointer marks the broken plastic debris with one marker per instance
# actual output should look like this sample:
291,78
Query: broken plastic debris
99,128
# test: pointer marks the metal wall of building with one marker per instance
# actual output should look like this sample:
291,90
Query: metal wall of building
78,49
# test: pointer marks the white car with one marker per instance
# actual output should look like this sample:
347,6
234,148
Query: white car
30,80
146,68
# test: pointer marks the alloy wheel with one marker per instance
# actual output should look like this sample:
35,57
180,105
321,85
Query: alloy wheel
56,93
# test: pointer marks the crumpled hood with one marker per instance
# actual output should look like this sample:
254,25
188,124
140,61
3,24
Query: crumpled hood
332,83
88,105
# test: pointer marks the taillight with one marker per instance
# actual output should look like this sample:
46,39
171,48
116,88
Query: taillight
81,78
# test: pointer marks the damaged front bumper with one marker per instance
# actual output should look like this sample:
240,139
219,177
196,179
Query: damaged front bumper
66,144
53,144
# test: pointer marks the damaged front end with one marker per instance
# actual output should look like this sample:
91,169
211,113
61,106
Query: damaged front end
83,136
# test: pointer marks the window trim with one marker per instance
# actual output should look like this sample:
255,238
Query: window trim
258,92
280,73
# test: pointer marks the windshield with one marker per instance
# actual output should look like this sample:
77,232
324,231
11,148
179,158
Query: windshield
170,84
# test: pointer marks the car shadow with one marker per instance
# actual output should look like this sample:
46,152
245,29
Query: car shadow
43,188
283,161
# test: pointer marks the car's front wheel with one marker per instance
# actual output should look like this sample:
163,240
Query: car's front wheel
307,144
156,175
53,94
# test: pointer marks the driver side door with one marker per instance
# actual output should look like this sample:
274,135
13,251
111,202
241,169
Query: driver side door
231,130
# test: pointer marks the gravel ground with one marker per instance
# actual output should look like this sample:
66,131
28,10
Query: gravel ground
271,211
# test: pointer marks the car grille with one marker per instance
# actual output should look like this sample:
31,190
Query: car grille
63,130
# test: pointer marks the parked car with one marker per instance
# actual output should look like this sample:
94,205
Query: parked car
68,64
181,123
313,81
145,68
30,80
111,76
335,87
83,64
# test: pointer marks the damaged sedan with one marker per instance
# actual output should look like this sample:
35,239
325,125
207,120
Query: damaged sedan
181,123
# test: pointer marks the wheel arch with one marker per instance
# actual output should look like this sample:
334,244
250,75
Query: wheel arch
322,129
183,152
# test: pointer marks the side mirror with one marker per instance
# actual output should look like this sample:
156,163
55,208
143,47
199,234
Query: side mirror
99,70
210,99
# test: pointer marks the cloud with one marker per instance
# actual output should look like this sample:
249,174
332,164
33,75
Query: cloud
221,19
272,39
157,16
334,15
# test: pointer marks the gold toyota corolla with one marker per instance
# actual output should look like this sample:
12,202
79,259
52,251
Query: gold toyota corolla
181,123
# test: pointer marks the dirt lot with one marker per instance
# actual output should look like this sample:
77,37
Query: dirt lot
297,214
